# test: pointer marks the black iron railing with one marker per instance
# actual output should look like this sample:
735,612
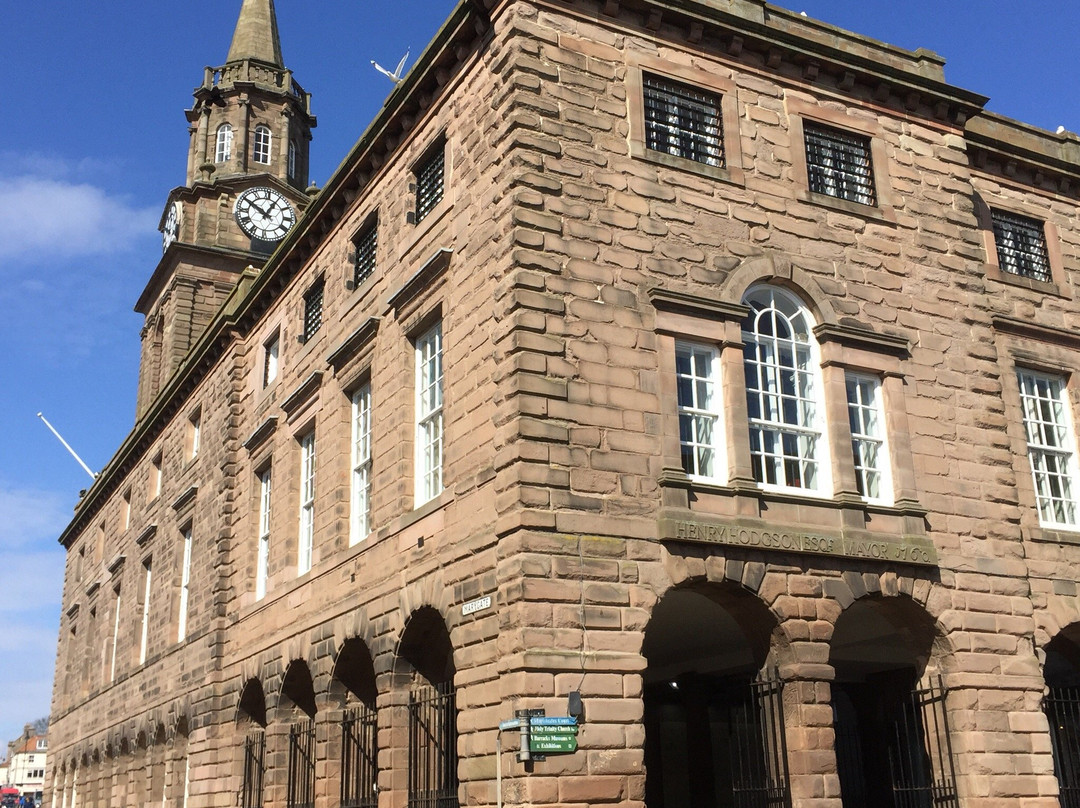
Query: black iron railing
920,752
759,774
433,781
359,758
254,766
1062,708
301,784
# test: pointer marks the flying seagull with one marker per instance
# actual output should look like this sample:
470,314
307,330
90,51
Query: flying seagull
396,75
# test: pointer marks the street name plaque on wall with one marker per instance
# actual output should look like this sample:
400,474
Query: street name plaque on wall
754,536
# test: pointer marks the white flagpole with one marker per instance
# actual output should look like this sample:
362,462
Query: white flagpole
86,468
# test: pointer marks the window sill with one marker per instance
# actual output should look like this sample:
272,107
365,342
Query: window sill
729,174
994,272
1051,535
771,496
875,213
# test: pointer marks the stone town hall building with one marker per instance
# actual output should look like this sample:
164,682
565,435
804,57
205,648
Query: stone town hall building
694,369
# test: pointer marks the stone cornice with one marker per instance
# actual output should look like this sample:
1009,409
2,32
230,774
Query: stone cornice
185,498
424,277
854,336
706,308
1036,331
353,343
261,433
302,393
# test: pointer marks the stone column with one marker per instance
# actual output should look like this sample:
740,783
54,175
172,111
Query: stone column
808,719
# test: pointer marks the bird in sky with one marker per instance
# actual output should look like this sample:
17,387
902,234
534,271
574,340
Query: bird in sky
396,75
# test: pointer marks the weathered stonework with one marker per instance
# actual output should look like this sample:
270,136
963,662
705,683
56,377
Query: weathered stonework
566,262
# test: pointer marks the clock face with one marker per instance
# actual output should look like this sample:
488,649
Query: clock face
263,213
171,228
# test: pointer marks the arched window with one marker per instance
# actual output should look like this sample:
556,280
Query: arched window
292,159
783,392
223,150
262,145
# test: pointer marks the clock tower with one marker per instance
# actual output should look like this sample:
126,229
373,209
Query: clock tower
247,175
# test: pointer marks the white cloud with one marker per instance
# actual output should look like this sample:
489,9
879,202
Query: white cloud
44,217
29,516
30,583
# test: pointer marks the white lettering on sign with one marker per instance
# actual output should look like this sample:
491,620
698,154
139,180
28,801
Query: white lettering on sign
474,606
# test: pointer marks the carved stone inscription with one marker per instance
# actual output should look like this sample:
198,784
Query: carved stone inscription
900,550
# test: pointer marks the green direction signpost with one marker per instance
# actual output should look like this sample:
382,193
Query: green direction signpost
553,735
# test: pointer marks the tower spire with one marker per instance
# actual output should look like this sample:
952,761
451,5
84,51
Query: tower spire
256,35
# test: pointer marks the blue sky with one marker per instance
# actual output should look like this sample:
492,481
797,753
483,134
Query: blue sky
95,137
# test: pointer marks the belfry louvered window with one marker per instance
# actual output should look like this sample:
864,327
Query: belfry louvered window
313,310
430,174
838,164
261,151
1021,245
683,121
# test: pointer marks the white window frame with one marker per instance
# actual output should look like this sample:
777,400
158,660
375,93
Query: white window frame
869,440
144,634
262,145
1051,439
271,355
788,420
306,538
701,419
116,631
185,586
196,433
223,144
360,499
429,415
292,159
156,480
262,560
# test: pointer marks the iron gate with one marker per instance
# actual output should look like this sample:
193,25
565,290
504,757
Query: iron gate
920,752
301,786
254,758
759,749
359,758
433,781
1062,708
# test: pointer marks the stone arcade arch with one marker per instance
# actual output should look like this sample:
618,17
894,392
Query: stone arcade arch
1062,706
297,708
353,692
425,668
892,741
251,727
713,714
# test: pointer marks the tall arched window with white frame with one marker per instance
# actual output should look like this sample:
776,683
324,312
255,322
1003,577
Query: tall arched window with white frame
263,140
292,160
223,147
788,447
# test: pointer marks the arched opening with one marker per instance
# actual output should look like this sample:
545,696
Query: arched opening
251,726
892,741
353,689
1062,706
433,755
297,705
713,719
223,144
